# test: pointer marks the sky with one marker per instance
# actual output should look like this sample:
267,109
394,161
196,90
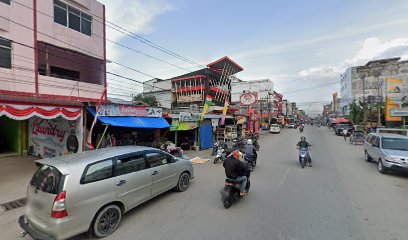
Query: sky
302,46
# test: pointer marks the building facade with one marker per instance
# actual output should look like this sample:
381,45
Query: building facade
53,60
161,89
361,83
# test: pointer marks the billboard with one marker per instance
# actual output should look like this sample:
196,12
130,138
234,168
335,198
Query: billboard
393,99
248,98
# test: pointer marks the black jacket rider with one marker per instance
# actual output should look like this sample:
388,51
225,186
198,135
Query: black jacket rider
234,168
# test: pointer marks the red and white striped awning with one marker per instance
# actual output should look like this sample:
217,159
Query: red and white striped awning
23,112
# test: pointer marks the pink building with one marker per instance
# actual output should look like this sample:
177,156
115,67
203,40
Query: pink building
52,60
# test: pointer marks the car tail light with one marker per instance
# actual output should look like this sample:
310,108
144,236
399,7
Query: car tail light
59,207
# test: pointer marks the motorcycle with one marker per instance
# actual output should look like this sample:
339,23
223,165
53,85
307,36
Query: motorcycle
221,154
303,157
175,151
231,190
301,129
215,148
251,162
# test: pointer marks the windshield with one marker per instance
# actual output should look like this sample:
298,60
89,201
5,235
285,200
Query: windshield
47,179
274,125
395,144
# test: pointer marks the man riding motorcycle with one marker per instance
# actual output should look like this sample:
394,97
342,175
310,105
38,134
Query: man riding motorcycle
305,145
235,169
250,151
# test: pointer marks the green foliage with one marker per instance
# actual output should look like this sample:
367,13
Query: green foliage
149,99
356,114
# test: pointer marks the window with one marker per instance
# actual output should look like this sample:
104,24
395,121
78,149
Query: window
47,179
98,171
5,53
64,73
156,159
130,164
72,17
5,1
395,144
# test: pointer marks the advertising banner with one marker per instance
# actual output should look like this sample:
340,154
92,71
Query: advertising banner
248,98
114,110
189,117
393,99
54,137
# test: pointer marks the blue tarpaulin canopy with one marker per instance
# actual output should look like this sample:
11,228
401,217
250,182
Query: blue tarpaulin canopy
133,122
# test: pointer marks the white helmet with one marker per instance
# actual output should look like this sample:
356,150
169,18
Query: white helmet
249,141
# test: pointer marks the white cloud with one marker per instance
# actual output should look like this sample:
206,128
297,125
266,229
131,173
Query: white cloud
135,16
373,48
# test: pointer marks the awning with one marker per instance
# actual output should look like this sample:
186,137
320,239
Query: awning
23,111
133,122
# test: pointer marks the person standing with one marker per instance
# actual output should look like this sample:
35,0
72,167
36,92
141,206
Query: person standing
345,132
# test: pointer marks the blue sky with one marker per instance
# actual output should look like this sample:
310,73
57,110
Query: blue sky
299,45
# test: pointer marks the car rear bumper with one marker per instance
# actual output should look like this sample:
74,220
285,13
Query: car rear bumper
35,234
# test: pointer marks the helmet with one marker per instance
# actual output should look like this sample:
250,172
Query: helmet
236,154
303,138
249,141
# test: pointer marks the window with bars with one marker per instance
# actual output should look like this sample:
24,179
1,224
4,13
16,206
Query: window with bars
72,17
5,53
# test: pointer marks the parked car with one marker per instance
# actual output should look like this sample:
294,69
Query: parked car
390,151
291,125
340,127
89,191
274,128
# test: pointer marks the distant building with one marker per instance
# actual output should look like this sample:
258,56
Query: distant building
361,83
161,89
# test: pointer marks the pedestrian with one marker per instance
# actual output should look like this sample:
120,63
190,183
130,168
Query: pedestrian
345,132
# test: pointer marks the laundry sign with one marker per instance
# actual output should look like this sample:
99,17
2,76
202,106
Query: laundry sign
54,137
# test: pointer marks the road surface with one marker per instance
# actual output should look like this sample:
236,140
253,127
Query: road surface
341,197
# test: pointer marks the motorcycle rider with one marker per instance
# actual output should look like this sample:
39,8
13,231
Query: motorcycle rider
304,144
235,169
250,150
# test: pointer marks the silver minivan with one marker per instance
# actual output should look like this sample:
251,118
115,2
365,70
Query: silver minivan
390,151
89,191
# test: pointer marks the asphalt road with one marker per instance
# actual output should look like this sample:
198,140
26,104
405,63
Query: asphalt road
341,197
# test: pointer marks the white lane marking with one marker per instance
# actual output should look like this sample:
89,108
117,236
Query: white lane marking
285,175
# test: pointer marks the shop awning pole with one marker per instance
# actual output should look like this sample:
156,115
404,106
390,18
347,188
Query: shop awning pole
175,138
100,141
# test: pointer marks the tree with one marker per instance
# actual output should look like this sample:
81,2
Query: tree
149,99
356,114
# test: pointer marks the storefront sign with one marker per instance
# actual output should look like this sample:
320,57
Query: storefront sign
177,125
114,110
393,99
248,98
189,117
399,112
190,98
55,137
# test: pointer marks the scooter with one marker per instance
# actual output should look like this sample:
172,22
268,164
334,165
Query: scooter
231,190
177,151
215,148
303,158
301,129
251,161
221,155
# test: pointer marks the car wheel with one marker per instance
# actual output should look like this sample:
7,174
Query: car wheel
381,167
107,221
367,157
183,182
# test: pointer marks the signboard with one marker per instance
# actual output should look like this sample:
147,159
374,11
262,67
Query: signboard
177,125
114,110
399,112
55,137
190,98
189,117
248,98
214,122
393,98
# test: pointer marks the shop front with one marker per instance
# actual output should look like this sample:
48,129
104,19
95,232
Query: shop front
122,125
40,130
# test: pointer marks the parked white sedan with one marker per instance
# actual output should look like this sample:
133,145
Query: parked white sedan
274,128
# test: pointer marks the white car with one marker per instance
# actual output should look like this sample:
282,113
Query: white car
274,128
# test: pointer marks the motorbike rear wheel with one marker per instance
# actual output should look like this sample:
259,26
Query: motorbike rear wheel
215,160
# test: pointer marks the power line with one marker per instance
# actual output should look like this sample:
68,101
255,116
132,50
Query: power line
131,35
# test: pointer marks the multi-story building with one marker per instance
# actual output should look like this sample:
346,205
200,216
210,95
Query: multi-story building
263,88
361,83
161,89
52,60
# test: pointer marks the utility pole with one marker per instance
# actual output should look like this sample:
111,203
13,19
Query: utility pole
362,77
377,74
